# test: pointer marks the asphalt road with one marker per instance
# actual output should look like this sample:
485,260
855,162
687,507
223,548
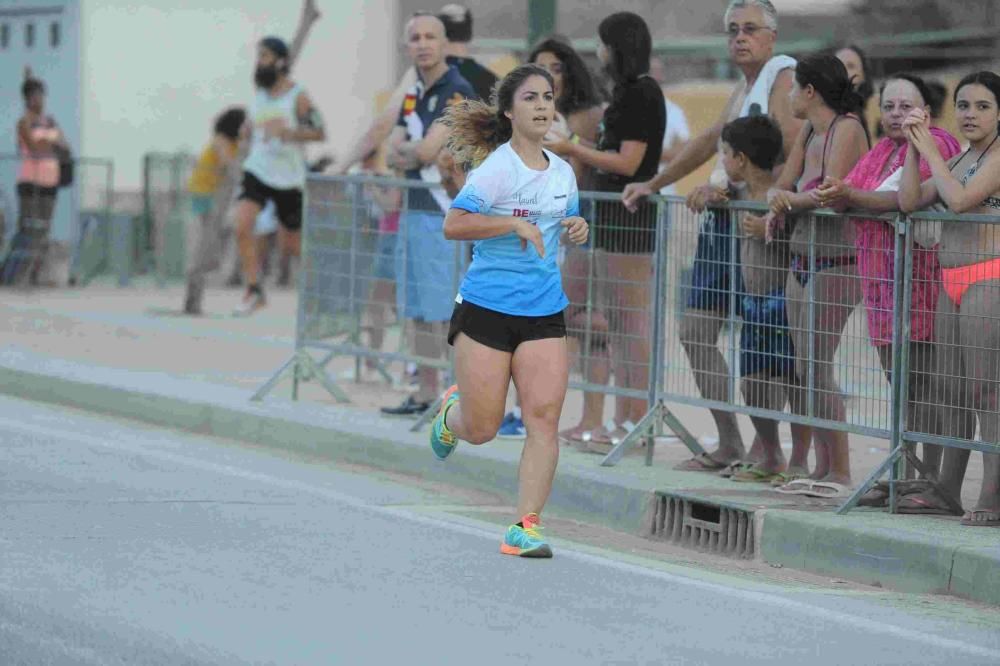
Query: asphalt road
124,544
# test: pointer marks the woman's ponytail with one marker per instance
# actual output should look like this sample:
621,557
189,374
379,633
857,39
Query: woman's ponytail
475,130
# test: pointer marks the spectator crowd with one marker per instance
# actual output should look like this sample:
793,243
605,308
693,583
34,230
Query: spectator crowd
793,137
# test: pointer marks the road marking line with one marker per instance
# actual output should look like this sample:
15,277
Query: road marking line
755,596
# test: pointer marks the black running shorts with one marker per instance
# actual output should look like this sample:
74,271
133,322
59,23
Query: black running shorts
500,331
287,203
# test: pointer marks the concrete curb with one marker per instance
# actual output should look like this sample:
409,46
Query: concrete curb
880,553
333,432
871,548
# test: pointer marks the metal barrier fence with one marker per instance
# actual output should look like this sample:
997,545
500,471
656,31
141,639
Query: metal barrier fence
78,214
159,244
680,308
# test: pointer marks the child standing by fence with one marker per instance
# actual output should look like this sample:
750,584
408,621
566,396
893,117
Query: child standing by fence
750,149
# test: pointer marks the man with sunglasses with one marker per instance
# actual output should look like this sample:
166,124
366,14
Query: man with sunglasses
752,28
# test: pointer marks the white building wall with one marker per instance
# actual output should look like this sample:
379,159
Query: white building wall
156,73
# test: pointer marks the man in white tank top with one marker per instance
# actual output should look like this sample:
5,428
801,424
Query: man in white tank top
752,27
282,118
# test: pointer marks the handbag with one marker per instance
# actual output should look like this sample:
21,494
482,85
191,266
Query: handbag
66,166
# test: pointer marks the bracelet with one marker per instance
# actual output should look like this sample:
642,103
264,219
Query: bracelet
574,138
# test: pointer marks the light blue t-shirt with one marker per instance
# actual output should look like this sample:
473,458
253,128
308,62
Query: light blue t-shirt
503,276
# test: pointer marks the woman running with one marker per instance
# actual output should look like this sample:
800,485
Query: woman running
832,141
580,104
871,186
967,326
508,319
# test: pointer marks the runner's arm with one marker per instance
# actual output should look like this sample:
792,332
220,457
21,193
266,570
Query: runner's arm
462,225
310,127
310,14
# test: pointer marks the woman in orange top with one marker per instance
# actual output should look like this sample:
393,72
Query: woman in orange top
38,139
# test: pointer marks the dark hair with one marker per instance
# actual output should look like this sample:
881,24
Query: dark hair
477,129
829,77
757,137
939,93
865,88
925,92
627,36
457,21
578,88
31,86
988,80
229,122
279,48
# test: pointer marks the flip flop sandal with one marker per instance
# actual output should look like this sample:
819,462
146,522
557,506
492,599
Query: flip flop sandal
602,441
734,467
877,496
628,427
784,478
968,521
700,463
754,474
614,440
796,487
828,490
919,505
574,436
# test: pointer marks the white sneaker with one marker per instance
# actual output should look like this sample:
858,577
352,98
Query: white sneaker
252,301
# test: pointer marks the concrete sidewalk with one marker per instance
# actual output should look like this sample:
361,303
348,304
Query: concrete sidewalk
128,354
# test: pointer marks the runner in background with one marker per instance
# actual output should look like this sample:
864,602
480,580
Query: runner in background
213,182
282,119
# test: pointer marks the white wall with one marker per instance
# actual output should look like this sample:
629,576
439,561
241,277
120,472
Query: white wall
154,75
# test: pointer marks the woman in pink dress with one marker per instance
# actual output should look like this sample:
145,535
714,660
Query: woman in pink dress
872,186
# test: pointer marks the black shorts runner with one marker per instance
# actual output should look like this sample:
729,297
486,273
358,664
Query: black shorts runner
287,203
500,331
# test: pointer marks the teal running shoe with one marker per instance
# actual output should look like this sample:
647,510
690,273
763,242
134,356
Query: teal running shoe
443,441
525,539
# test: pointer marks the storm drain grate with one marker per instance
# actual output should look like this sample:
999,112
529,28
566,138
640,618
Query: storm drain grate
706,527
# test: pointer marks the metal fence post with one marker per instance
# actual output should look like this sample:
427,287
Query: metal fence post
901,363
810,326
734,279
659,305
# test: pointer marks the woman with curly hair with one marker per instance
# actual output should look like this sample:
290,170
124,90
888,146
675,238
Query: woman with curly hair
508,318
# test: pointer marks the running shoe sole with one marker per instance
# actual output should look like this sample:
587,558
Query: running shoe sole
542,552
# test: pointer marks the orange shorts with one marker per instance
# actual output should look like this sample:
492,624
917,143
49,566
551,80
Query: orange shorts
956,281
